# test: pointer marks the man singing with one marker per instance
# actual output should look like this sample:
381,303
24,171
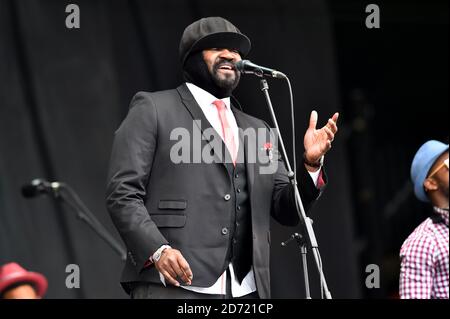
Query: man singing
200,228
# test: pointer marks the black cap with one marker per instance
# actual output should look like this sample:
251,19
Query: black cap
212,32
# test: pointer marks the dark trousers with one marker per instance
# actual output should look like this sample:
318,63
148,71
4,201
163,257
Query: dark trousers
147,290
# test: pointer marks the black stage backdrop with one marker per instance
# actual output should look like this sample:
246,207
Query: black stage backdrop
63,92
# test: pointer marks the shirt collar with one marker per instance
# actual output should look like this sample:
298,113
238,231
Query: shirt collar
204,98
443,213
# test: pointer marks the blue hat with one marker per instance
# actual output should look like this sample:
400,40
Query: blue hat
422,163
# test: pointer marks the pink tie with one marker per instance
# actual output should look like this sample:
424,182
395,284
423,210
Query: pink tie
227,132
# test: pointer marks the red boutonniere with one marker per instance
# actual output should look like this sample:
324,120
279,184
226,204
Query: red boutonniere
269,150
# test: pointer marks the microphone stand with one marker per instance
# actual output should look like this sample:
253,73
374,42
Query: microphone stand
305,221
302,245
64,192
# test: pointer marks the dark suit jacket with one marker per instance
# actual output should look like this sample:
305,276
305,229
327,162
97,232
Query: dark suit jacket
153,201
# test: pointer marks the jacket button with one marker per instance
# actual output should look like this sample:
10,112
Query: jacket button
227,197
224,231
236,175
238,207
238,190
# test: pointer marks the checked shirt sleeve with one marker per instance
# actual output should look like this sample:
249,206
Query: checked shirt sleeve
417,267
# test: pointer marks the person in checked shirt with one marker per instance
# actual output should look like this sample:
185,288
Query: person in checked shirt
424,272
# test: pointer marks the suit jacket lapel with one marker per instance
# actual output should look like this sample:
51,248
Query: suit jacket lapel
203,124
242,122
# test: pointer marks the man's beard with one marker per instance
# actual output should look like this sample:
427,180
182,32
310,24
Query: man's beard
228,81
196,71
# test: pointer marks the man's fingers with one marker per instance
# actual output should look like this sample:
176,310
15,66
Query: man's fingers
166,268
327,146
332,125
173,262
170,278
179,264
175,266
185,268
313,120
329,134
171,272
335,117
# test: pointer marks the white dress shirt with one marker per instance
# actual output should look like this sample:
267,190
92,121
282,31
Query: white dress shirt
205,100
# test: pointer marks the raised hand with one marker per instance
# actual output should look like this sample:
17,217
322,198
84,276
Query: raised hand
318,141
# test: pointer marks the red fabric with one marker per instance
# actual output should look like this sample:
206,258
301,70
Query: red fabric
13,273
149,262
320,181
227,132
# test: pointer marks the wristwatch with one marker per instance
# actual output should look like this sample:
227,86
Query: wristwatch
157,255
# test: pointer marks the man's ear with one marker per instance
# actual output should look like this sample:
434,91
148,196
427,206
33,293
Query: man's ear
430,184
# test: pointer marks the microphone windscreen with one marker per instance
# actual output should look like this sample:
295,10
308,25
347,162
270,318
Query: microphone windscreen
240,65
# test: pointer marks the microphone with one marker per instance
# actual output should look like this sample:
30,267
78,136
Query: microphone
39,186
247,67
